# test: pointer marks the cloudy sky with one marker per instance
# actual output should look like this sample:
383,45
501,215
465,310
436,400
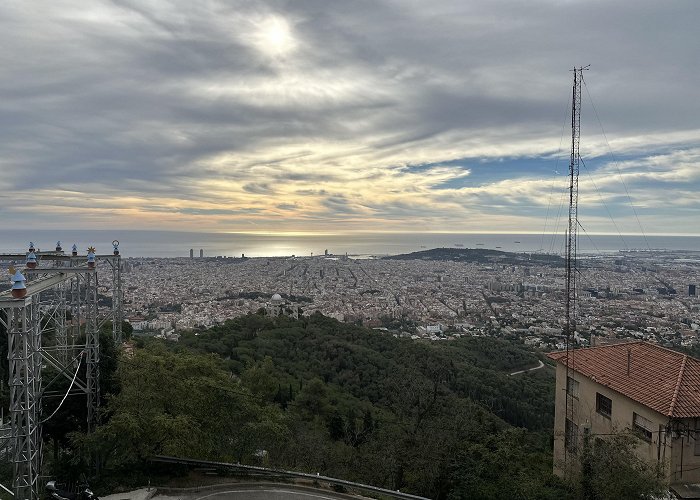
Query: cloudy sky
338,116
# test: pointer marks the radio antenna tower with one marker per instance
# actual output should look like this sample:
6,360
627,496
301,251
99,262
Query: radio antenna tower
571,235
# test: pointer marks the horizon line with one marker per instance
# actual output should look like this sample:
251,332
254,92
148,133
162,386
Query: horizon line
354,232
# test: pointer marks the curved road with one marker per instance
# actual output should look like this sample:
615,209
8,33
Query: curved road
541,365
270,492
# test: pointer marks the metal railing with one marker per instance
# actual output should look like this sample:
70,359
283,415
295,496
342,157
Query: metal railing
286,473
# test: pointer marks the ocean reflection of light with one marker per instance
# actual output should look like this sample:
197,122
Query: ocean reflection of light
178,244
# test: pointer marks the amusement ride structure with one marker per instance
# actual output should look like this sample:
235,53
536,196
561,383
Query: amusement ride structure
58,293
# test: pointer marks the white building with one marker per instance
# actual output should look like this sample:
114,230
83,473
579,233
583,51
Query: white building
279,306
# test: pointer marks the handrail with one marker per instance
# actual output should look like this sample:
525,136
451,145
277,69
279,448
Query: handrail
280,472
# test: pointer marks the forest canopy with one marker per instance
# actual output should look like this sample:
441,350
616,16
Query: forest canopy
437,419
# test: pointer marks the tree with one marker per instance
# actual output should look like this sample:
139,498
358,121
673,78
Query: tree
175,404
610,469
260,379
127,329
504,465
312,399
336,427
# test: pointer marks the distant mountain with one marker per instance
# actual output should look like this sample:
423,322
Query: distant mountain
481,255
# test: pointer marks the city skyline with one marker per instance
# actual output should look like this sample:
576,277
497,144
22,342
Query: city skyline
328,117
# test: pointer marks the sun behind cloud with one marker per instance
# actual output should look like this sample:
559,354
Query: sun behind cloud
274,36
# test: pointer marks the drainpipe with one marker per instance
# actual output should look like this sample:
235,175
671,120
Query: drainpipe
666,431
682,452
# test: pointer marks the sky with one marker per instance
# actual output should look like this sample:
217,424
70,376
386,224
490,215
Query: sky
329,116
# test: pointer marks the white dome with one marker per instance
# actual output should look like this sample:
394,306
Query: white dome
277,298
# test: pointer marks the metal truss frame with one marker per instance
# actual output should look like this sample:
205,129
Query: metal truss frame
23,326
52,293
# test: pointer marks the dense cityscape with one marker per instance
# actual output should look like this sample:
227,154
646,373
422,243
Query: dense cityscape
628,295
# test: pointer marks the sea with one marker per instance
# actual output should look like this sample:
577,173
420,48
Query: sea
133,243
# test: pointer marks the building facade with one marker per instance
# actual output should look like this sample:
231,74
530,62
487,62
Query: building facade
639,387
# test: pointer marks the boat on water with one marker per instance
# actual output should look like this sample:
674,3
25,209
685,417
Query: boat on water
458,245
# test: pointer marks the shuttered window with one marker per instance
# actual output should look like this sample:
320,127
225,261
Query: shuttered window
642,426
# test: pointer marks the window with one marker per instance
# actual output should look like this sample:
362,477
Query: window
571,436
603,405
572,387
642,426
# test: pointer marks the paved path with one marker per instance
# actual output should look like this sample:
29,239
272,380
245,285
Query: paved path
270,493
541,365
247,491
140,494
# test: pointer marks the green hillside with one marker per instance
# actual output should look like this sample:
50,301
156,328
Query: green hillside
481,256
374,367
434,419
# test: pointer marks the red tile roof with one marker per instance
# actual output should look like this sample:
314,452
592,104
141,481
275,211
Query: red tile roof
664,380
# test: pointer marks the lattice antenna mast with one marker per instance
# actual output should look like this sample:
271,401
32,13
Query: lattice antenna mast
571,239
571,234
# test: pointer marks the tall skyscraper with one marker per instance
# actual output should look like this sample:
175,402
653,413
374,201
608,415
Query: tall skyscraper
201,253
191,253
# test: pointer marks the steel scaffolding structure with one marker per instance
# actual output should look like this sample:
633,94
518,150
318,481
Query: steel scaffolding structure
21,321
114,262
92,349
62,299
